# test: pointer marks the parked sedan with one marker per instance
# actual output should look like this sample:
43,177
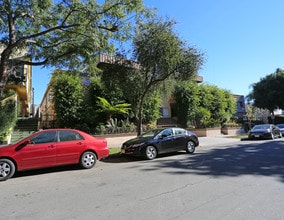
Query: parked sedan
159,141
265,131
52,147
281,127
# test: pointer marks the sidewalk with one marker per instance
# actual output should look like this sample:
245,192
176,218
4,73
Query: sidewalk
116,142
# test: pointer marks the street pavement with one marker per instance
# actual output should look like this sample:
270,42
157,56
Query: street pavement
114,142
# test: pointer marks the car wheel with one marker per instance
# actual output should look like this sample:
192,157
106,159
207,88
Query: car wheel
151,152
190,147
7,169
88,160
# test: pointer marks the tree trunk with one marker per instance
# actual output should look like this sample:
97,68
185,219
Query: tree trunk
140,108
139,124
3,81
4,70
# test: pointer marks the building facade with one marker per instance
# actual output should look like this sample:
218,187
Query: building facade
20,80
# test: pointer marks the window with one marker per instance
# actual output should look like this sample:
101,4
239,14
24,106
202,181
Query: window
45,137
240,104
164,112
167,132
69,136
179,131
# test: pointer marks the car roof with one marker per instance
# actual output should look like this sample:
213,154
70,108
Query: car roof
59,129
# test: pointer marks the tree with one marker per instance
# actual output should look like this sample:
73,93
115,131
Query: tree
268,92
60,33
160,55
187,103
68,94
219,102
204,105
115,77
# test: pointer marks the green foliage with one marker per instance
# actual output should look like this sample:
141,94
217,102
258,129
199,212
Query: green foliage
68,96
8,117
63,33
219,102
187,103
151,108
268,92
204,105
110,110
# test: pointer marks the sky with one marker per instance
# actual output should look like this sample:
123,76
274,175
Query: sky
242,40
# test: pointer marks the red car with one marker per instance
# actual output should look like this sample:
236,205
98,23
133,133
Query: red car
52,147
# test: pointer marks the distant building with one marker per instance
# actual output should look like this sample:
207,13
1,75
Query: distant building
20,80
241,107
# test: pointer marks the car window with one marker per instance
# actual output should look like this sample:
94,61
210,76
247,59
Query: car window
167,132
69,136
179,131
261,127
151,133
45,137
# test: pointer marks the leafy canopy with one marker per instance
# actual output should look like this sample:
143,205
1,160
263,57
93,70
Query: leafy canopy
68,96
268,92
61,33
204,105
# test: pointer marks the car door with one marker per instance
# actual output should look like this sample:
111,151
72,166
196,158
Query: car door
180,138
69,147
166,141
39,152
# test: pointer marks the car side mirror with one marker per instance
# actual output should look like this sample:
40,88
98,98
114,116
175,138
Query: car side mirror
163,136
22,145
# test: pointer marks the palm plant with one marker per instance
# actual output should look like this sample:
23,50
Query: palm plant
110,110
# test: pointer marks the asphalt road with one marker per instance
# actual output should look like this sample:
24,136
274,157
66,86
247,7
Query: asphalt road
223,180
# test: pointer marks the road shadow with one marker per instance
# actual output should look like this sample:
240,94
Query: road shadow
58,169
123,158
252,158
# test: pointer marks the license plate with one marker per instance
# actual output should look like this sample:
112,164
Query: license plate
257,136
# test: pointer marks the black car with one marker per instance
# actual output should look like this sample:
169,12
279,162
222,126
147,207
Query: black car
159,141
264,131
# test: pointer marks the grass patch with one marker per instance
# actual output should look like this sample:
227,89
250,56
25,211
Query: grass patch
243,136
114,150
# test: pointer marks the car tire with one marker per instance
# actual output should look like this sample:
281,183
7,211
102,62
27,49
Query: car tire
190,147
88,160
151,152
7,169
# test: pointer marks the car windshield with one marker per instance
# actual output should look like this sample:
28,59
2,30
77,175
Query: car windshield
151,133
262,127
